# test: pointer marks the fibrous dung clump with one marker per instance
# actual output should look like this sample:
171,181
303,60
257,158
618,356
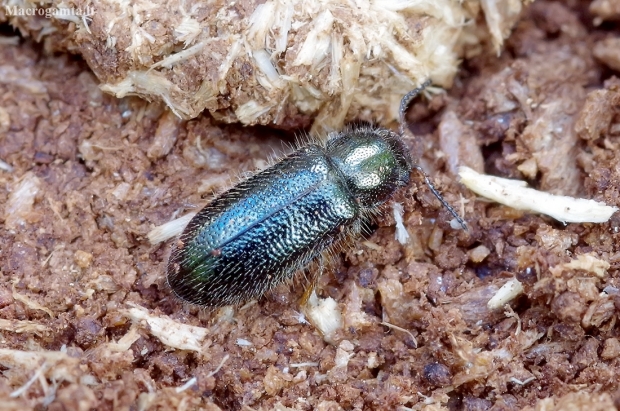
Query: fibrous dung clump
281,62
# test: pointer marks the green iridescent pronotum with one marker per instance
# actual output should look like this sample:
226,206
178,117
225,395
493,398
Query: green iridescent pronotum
260,232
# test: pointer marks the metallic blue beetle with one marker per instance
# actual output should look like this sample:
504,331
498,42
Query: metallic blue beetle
260,232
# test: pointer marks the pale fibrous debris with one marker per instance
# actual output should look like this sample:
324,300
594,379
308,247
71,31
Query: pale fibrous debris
304,364
226,314
124,344
510,313
401,235
327,60
168,331
481,362
507,292
516,194
242,342
28,302
22,326
170,229
344,352
26,80
324,314
590,263
478,254
10,40
455,224
21,200
38,374
55,365
373,246
6,167
300,317
500,16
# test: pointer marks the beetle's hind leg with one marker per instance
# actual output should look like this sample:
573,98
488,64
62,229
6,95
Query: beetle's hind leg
312,275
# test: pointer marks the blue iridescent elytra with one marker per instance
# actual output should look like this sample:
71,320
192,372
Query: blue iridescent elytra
257,234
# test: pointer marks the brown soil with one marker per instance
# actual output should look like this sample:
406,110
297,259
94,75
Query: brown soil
92,175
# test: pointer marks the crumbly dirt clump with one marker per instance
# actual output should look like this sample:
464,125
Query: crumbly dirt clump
86,321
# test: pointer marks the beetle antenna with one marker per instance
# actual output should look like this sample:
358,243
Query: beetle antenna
430,185
404,105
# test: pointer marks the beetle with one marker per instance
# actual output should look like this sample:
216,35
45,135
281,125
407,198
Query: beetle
260,232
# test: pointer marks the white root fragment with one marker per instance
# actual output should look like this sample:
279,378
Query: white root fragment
395,327
507,292
515,194
219,367
170,229
401,235
524,382
324,314
169,332
38,374
191,382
